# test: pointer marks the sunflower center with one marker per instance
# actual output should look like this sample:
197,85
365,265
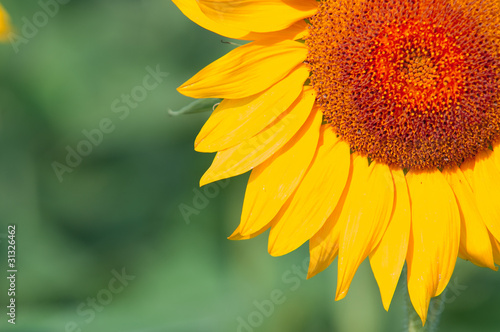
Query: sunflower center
418,70
410,83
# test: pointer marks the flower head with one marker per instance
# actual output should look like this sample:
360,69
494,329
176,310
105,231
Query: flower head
372,129
414,86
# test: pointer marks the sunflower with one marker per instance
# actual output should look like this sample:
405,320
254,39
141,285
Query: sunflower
371,129
4,24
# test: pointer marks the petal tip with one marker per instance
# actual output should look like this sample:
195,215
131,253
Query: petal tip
340,295
206,179
186,90
276,250
386,304
197,142
271,249
236,236
311,273
180,89
201,148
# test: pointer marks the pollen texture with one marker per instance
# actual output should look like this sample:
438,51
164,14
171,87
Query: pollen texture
413,84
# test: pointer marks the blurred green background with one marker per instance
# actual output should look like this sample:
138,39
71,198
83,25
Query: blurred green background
118,210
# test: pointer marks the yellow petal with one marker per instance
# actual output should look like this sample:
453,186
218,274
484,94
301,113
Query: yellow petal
246,70
298,30
5,28
236,120
434,238
496,249
192,11
474,238
364,218
254,151
258,15
388,258
273,182
484,178
237,235
315,198
324,245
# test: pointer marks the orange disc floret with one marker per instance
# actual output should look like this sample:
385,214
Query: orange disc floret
410,83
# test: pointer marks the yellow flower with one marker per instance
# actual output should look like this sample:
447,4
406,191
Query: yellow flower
371,127
4,24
